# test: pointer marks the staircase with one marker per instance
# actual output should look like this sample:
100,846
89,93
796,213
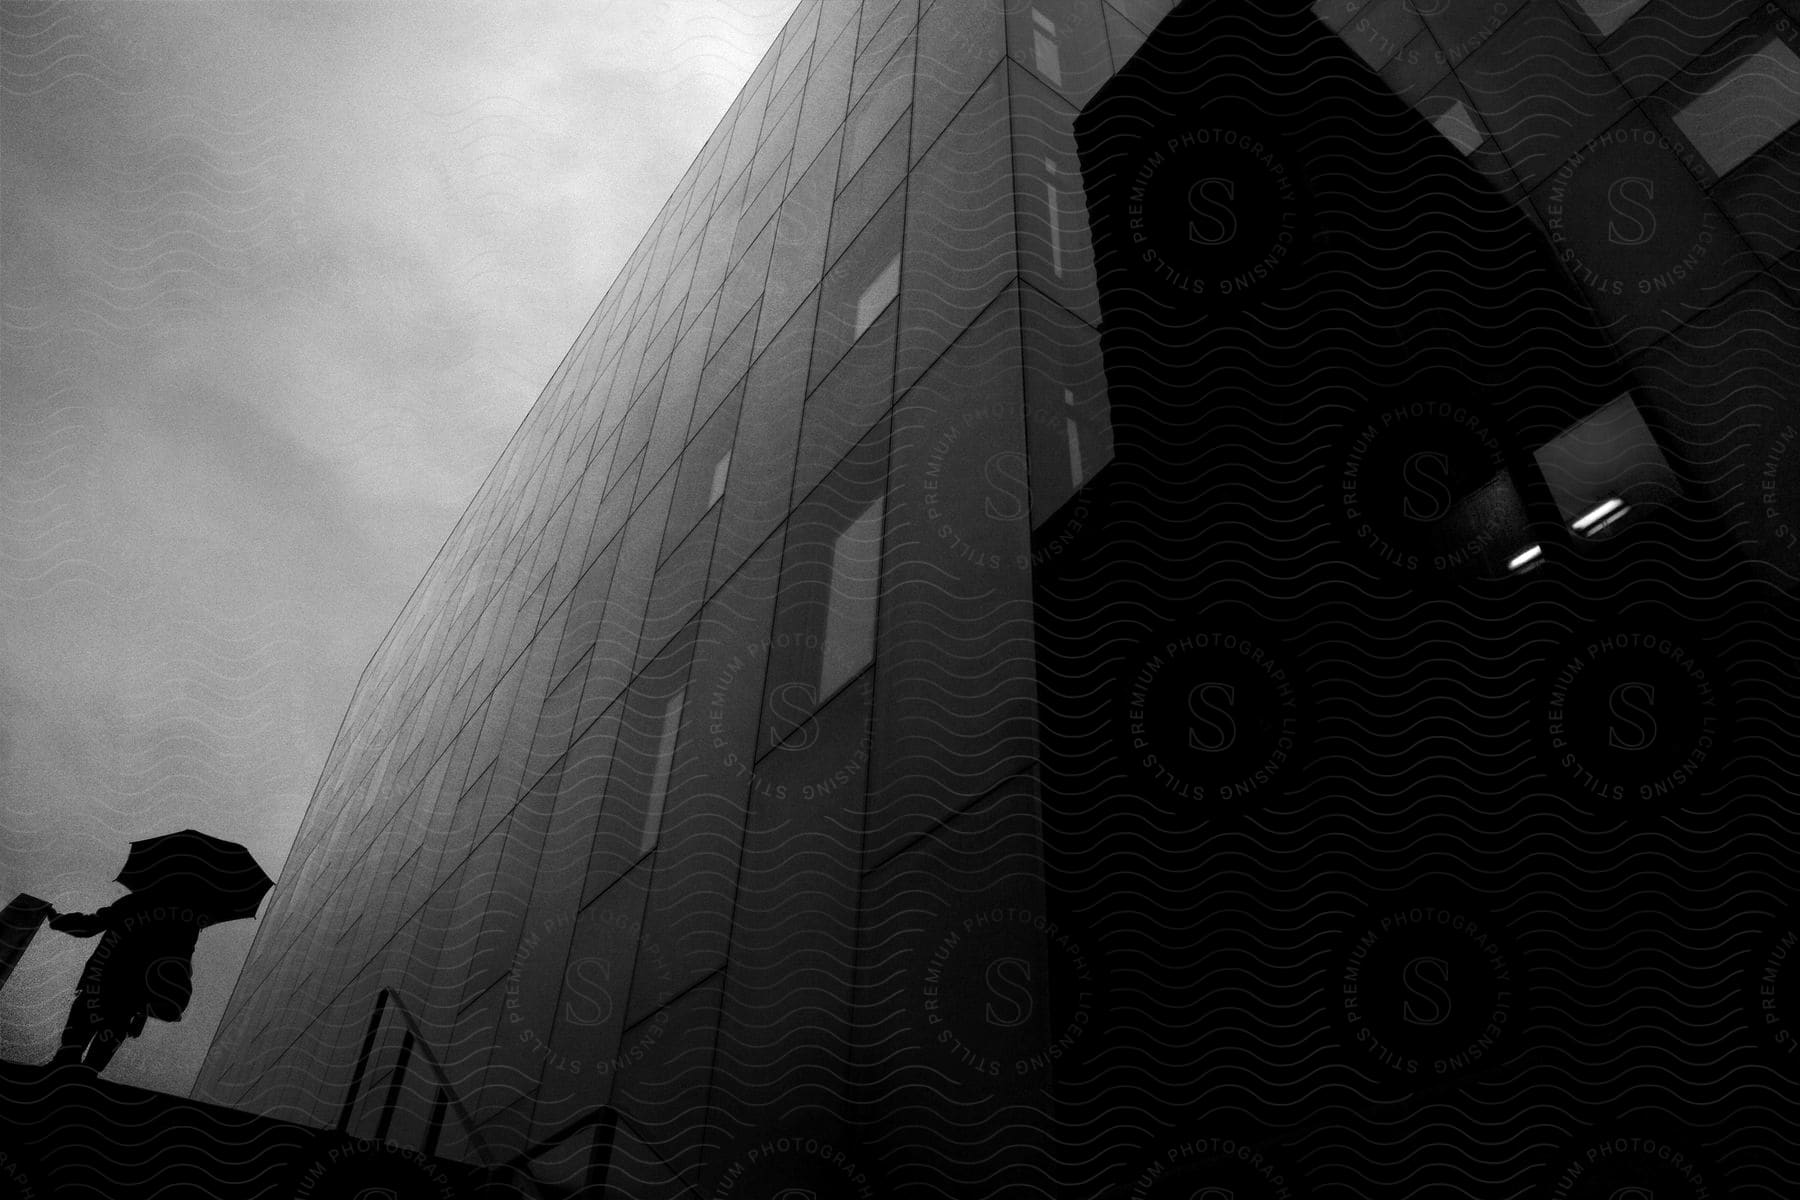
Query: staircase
66,1133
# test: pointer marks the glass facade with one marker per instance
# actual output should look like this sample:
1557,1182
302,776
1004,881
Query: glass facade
713,649
862,702
1656,146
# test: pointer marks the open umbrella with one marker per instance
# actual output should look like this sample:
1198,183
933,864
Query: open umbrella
214,877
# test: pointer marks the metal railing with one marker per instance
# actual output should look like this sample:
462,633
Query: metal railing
605,1118
19,923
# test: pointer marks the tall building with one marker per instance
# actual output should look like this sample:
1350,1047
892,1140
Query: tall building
1116,602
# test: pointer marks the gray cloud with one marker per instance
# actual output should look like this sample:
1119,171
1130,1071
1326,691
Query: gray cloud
281,280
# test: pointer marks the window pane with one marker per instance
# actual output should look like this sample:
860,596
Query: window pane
1044,51
726,370
636,769
615,647
960,232
762,206
958,47
1064,44
1456,123
796,40
846,403
746,131
678,588
814,606
878,49
876,112
1055,247
675,413
691,901
959,568
778,141
715,247
866,193
1747,109
747,280
849,279
827,93
1608,15
850,617
634,436
756,488
698,484
798,259
878,295
659,778
1068,422
720,469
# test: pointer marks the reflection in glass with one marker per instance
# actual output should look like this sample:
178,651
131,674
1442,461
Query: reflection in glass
720,470
878,295
1043,45
1747,109
1076,473
850,612
659,778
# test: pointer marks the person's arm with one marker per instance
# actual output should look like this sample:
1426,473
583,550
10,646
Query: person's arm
79,924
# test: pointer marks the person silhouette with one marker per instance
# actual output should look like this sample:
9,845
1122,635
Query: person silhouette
142,968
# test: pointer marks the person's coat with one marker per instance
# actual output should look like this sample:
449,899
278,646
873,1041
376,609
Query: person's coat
144,964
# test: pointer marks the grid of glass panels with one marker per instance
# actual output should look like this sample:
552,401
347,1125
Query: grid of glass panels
1680,145
740,616
1659,160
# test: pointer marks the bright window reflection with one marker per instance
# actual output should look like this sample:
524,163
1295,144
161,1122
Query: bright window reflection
720,470
1043,45
1747,109
1076,474
850,612
659,776
1608,15
1456,124
877,296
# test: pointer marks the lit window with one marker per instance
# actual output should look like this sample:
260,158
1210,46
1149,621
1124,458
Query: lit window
1043,44
1747,109
1456,124
850,609
1605,466
659,774
1055,201
1608,15
878,295
720,470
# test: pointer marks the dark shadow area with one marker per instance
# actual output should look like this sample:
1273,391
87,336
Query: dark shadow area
70,1134
1367,770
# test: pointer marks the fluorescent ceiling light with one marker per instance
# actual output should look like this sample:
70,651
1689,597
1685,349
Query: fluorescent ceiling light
1617,513
1525,557
1599,512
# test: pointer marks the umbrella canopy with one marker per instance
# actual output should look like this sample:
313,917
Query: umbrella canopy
196,870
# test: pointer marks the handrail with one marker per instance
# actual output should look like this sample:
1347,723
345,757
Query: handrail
600,1114
423,1047
19,923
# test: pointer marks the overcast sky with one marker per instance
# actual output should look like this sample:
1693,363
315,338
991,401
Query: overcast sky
277,282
